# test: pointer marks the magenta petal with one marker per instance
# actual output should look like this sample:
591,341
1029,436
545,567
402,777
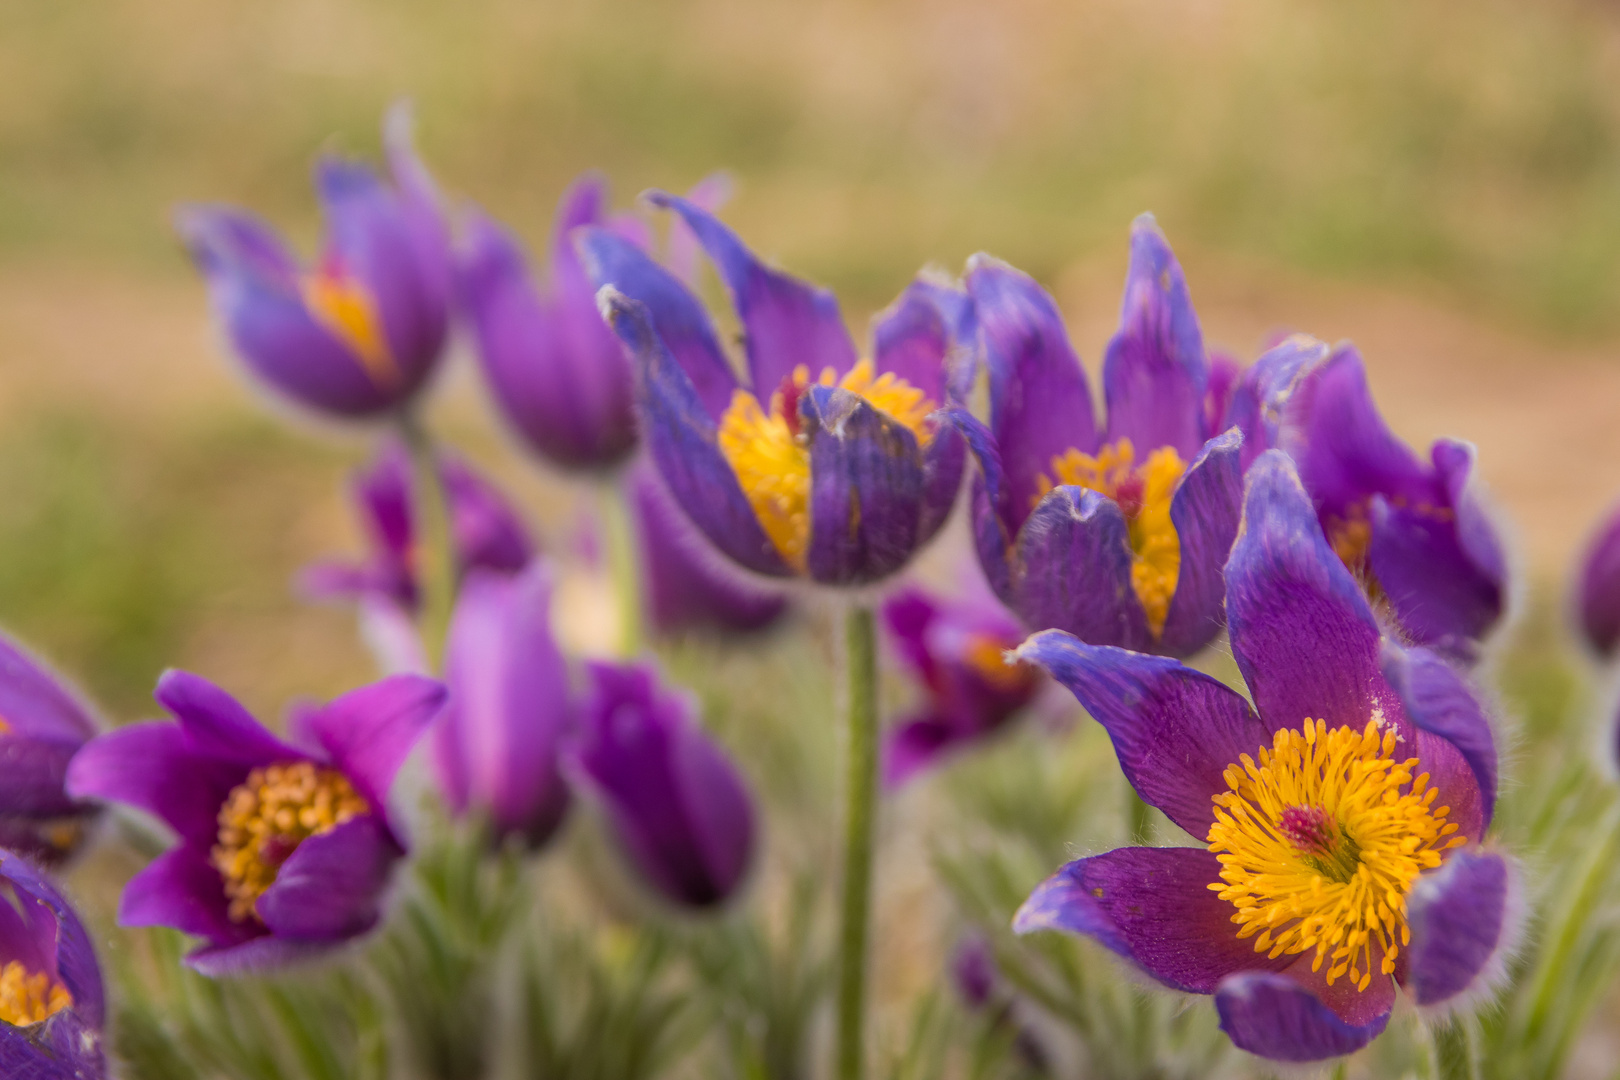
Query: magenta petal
1597,596
370,731
153,767
1205,511
1152,906
266,953
1275,1017
181,889
37,703
1440,703
1072,570
1174,729
1155,373
913,745
1302,633
216,725
331,887
1459,916
786,322
1040,406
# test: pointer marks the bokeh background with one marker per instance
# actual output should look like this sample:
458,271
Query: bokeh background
1438,181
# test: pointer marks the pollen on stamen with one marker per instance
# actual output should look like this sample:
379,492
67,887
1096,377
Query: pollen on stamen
344,307
29,997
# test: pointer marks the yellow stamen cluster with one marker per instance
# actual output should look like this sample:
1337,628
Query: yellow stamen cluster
1320,842
1351,537
771,456
1143,493
345,307
267,816
29,998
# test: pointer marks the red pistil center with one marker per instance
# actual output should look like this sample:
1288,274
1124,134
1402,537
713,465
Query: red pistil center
1309,828
791,390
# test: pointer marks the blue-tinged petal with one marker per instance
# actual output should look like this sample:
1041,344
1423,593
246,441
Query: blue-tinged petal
1040,406
1597,592
37,703
1439,598
153,767
369,732
424,205
866,488
1460,919
912,340
944,459
1205,511
1440,702
682,252
680,436
63,1048
1301,630
331,886
1224,375
1261,394
1477,534
1174,729
74,960
1152,906
216,725
34,771
1273,1016
1155,372
991,538
786,322
1072,570
681,322
265,953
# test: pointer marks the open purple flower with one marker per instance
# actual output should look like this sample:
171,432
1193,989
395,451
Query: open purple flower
487,532
675,803
1597,592
358,333
496,744
1414,532
52,1004
284,851
956,648
42,725
1116,536
1342,814
824,465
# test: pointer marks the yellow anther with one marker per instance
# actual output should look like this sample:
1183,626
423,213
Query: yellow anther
1320,842
345,307
267,816
29,997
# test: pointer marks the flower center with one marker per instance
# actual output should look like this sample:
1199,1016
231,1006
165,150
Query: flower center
267,816
29,998
771,456
1320,842
987,656
1143,493
344,306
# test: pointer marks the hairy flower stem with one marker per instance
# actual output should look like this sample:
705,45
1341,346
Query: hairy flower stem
623,555
436,558
1452,1056
861,778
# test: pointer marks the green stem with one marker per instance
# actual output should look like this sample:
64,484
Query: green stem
435,563
623,553
1452,1055
861,658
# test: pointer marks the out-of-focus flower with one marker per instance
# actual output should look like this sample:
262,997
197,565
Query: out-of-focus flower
983,990
42,725
956,649
496,744
52,1004
824,465
1597,592
284,851
358,333
1414,533
486,531
1343,813
687,584
1117,537
674,801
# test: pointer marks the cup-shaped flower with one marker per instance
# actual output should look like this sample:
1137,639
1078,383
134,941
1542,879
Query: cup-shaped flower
1597,590
1416,534
687,584
487,532
555,371
52,1004
358,333
673,800
285,850
1342,814
43,723
1117,536
496,745
823,465
955,647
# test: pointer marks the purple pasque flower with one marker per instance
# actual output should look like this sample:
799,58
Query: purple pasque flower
675,803
496,744
52,1003
1117,536
1415,533
1343,813
1597,591
823,465
285,850
688,585
487,531
43,723
358,333
956,648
